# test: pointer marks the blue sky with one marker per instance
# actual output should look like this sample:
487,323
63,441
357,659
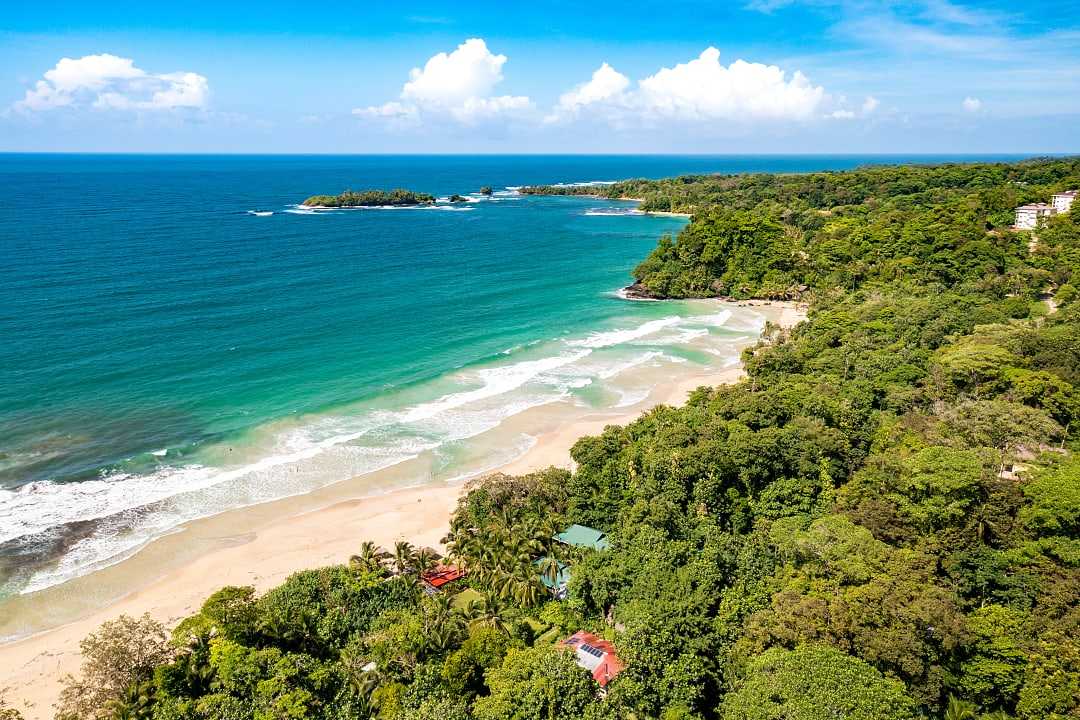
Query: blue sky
672,76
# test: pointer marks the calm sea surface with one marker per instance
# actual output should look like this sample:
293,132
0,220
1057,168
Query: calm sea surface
166,354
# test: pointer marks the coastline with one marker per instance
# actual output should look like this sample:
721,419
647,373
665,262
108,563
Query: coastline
261,545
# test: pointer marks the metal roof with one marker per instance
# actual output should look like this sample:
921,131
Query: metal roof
582,536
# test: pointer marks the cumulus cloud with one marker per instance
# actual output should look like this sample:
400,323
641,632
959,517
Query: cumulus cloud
705,89
458,85
606,85
108,82
870,104
699,90
971,104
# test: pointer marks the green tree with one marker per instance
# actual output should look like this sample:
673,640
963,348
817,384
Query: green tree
536,684
813,682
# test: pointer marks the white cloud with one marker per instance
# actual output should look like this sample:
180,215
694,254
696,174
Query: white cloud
703,89
606,85
458,85
449,79
869,105
700,90
108,82
971,104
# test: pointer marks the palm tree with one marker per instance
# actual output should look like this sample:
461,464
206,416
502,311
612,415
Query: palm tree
515,552
551,568
502,585
137,702
493,613
527,592
958,709
404,558
363,679
426,559
473,610
460,546
369,558
411,583
441,638
442,605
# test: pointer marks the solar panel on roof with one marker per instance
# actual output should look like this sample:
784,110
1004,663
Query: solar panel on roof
595,651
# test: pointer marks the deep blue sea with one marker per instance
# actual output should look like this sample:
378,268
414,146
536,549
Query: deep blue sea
166,354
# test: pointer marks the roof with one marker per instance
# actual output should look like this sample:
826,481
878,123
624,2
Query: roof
1067,193
582,536
1036,206
596,655
560,580
441,575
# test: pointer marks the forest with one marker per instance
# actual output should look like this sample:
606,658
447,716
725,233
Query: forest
880,522
370,198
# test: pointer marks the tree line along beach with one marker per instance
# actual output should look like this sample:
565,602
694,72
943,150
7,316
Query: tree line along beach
866,500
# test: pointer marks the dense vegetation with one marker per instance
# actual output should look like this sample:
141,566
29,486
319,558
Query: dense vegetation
780,235
882,522
370,198
585,190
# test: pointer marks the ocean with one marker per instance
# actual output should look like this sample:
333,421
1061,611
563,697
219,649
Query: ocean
166,354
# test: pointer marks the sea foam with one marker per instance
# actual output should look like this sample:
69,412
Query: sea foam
127,510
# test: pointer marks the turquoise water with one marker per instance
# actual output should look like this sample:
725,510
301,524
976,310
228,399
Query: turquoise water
166,354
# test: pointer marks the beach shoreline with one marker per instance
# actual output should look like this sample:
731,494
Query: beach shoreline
261,545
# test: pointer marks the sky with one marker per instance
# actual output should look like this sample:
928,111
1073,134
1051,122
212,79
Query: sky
670,76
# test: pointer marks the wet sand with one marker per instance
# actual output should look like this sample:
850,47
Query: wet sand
263,544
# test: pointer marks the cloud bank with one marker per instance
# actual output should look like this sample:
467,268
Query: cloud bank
461,86
108,82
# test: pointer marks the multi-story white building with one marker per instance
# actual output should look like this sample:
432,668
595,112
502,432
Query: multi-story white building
1028,216
1062,201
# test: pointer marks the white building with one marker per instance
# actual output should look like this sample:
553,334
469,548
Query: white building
1028,216
1062,201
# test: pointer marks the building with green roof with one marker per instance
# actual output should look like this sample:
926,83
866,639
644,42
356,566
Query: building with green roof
582,536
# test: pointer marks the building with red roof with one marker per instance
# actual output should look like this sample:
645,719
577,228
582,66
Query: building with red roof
595,655
440,575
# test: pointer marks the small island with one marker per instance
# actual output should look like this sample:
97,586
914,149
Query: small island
370,198
585,189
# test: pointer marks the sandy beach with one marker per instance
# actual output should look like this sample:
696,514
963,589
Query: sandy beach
261,545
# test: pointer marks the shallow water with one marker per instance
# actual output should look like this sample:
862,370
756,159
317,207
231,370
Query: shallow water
179,338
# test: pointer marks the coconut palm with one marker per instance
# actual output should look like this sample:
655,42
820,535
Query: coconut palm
502,585
493,613
441,605
958,709
460,546
441,638
426,558
404,557
369,558
137,703
527,591
551,568
473,610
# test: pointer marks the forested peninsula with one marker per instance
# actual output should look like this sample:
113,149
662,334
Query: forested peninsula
881,522
370,198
